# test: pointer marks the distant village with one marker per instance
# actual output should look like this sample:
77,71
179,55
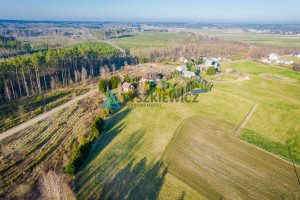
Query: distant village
183,77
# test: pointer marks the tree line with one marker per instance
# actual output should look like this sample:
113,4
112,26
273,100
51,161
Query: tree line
48,70
10,45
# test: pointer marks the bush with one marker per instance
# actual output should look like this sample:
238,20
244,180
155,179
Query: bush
97,126
211,71
81,152
130,94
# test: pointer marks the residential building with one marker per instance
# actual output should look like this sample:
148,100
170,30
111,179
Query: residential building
267,60
181,67
188,73
127,87
297,55
167,77
274,56
210,63
216,58
151,77
204,57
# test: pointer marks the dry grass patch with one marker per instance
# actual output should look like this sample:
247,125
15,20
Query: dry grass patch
208,158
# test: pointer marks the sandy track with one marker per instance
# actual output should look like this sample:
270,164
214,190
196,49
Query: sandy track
20,127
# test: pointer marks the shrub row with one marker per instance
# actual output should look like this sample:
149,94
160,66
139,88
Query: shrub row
81,152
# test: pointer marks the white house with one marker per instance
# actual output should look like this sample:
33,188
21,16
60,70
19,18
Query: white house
181,67
216,58
286,62
188,74
274,56
297,55
210,63
267,60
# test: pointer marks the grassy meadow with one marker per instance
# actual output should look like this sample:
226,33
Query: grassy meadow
278,40
277,118
268,39
126,161
154,38
129,46
135,156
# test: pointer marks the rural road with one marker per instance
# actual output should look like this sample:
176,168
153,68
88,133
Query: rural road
32,121
20,127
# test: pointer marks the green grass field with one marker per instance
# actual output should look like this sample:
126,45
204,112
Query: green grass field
139,46
269,39
126,160
157,38
255,69
278,40
277,118
220,166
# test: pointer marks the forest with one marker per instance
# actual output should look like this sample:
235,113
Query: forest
49,70
9,45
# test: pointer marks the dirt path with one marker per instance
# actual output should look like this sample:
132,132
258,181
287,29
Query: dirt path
243,124
20,127
116,46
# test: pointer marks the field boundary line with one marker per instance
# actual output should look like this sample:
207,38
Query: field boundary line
270,92
122,50
244,122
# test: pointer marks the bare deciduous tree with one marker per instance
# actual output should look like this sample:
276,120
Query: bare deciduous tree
53,186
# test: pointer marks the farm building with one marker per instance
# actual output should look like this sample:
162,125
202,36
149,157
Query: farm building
286,62
127,87
274,56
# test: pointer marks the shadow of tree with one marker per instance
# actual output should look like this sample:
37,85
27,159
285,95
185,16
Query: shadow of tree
112,173
182,196
135,182
109,133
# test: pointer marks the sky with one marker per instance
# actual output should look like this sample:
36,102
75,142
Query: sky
222,11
